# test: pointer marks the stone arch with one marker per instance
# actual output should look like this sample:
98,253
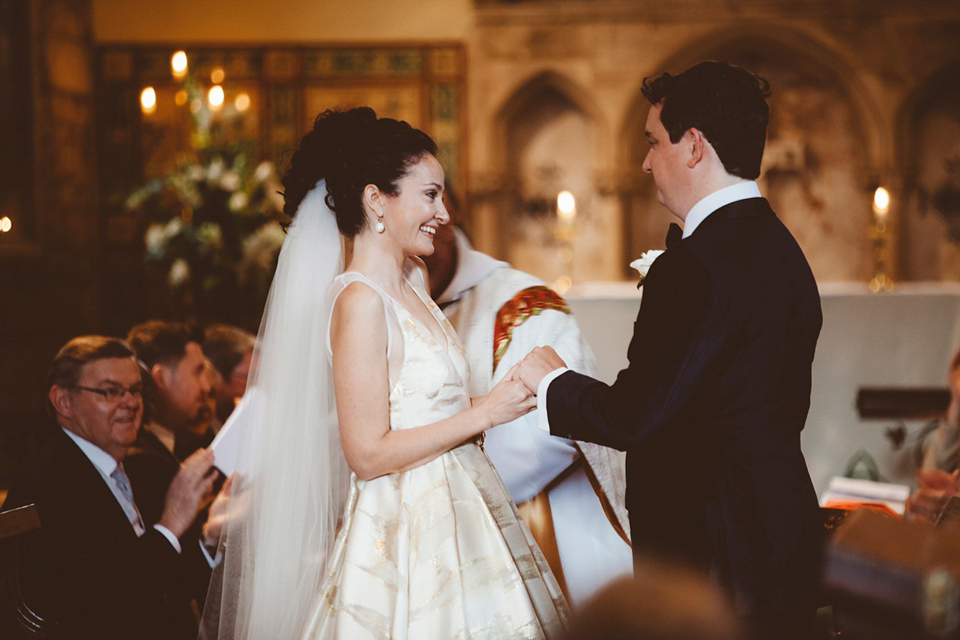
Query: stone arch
827,146
548,136
928,137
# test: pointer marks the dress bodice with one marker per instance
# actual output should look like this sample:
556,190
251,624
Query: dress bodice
427,378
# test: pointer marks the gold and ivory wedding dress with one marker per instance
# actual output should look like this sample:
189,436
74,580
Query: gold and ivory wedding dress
437,551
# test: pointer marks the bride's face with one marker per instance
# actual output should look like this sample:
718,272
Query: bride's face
413,216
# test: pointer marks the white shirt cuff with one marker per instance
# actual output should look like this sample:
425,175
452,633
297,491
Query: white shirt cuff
169,536
542,420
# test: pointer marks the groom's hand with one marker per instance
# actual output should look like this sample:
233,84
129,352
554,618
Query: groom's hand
536,364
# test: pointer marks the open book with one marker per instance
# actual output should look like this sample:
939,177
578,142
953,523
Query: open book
851,490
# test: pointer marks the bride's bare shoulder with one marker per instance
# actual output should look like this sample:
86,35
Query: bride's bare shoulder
358,301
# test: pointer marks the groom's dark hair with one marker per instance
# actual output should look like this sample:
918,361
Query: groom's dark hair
726,103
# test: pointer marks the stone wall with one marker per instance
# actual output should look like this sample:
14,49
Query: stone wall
865,94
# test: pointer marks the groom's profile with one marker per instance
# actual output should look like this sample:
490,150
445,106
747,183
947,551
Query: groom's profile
716,392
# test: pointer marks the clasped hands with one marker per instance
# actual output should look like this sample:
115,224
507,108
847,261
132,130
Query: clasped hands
515,394
534,366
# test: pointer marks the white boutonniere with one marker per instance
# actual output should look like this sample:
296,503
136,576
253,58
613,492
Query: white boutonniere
642,264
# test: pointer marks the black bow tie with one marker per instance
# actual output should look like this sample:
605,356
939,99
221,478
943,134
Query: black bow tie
674,234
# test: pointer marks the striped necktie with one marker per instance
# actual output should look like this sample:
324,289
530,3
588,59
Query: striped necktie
129,506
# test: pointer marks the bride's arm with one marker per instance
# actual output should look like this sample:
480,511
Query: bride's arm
358,337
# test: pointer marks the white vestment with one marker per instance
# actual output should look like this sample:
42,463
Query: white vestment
528,459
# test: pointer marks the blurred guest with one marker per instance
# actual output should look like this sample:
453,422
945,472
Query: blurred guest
663,603
177,388
939,456
940,447
934,490
98,567
200,433
569,493
230,349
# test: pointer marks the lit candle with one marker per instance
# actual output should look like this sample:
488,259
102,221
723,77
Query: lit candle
566,207
148,100
178,64
215,97
881,205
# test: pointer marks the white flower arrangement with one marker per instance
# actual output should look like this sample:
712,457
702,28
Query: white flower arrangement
644,262
212,225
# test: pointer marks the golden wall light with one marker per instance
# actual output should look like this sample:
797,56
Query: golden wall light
242,102
5,224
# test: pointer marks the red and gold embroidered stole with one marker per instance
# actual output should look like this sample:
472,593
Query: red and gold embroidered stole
529,302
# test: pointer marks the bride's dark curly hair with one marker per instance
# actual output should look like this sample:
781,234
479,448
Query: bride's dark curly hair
351,149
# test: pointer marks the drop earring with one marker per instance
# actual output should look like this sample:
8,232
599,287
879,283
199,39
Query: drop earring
379,226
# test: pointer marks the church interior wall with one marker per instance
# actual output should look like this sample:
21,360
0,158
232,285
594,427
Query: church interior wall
865,95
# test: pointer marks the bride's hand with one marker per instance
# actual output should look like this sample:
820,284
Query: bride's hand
507,401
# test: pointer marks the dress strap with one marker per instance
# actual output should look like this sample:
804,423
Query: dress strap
347,278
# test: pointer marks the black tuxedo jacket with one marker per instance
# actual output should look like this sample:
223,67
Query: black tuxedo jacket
710,409
85,567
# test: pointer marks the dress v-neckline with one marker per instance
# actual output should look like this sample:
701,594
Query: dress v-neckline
444,347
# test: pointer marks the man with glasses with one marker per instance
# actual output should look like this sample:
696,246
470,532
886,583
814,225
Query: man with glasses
97,568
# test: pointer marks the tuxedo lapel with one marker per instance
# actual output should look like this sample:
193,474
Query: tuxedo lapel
99,502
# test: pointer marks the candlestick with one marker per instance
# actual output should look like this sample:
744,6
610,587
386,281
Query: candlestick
880,235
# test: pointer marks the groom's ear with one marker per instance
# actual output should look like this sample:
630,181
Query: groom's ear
697,144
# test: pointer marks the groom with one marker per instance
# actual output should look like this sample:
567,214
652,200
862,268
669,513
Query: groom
716,392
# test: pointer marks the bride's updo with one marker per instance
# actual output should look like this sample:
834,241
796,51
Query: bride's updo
351,149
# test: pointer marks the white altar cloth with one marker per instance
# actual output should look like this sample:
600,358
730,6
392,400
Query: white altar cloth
901,338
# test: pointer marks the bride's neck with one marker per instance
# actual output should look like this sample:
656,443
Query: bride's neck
379,263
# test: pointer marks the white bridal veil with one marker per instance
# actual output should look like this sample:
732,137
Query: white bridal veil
292,479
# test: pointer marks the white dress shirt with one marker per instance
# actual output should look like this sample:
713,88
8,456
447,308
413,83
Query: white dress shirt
700,211
720,198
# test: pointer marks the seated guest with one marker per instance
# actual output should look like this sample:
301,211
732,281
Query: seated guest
663,602
934,490
939,451
97,567
201,431
940,447
176,387
230,349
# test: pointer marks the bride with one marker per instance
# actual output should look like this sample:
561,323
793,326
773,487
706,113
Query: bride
368,508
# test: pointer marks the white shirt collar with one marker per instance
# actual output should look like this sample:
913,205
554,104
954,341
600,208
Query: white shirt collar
473,267
100,458
717,199
166,437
